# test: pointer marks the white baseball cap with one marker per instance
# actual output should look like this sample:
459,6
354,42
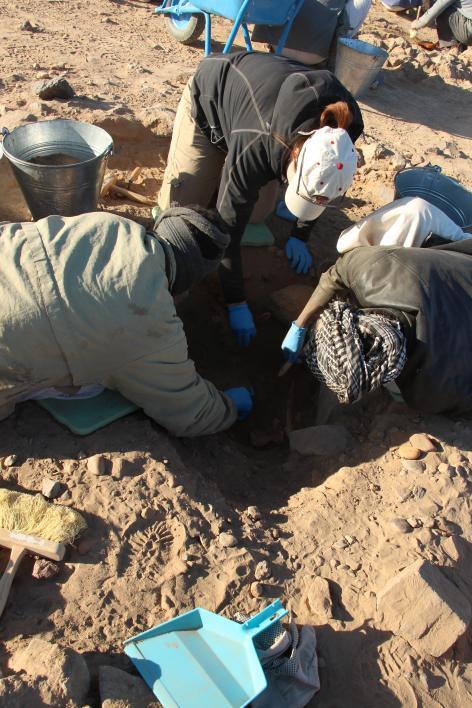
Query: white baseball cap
325,168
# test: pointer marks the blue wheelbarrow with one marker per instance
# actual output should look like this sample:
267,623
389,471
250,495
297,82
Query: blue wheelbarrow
202,660
186,19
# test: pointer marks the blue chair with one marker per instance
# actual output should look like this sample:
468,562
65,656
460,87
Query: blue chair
187,19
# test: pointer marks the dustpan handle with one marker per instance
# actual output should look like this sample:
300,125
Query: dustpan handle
265,618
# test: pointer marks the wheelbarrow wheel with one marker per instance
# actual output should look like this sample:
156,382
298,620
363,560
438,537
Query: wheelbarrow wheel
185,28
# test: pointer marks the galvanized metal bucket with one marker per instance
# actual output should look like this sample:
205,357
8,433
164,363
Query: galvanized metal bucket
445,193
59,165
357,64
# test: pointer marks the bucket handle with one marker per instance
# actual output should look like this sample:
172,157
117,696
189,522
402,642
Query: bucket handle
5,132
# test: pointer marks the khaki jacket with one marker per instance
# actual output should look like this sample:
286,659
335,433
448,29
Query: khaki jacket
85,300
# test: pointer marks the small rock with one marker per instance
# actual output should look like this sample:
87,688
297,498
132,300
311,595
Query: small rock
418,492
444,468
397,161
62,670
262,571
408,452
118,468
119,689
401,525
403,493
44,569
257,589
96,465
422,442
320,440
414,523
55,88
10,460
28,27
413,466
253,513
227,540
318,598
51,488
421,605
374,151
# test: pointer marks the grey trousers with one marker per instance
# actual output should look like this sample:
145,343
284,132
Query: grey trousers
452,26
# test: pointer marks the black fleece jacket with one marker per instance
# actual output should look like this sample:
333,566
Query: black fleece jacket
252,105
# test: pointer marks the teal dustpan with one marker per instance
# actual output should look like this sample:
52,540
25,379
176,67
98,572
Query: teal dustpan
202,660
84,416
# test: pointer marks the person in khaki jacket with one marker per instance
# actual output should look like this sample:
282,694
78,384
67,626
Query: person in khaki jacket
88,300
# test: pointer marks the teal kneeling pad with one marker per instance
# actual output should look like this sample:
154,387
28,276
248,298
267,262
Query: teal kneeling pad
84,416
257,235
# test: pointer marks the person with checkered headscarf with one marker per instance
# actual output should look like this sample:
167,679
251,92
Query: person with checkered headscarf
393,315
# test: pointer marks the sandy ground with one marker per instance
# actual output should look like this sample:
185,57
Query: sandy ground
154,545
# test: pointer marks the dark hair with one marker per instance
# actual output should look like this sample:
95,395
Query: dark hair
207,247
334,115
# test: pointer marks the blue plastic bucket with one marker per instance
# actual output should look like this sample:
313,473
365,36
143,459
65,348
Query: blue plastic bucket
357,64
445,193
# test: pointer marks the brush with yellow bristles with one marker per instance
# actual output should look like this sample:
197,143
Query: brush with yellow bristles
29,524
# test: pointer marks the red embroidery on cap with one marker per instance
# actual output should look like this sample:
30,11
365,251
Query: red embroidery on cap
340,165
321,182
332,142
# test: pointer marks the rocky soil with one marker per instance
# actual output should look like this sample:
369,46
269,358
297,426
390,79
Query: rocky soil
362,528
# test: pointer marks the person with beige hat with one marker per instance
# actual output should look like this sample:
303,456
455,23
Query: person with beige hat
246,123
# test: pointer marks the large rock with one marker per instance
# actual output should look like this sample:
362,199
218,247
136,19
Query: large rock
320,440
287,303
63,673
119,689
421,605
51,89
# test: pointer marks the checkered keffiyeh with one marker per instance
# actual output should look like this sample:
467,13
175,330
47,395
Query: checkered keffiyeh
355,351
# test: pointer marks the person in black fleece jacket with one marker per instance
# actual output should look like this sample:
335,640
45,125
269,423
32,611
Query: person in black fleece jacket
242,122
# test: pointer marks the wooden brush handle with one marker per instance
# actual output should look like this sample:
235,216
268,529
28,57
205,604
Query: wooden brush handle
16,556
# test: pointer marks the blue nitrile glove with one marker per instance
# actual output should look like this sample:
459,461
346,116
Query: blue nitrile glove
293,342
298,254
283,212
242,324
242,399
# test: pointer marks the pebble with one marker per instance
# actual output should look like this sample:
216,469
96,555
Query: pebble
444,468
401,525
414,523
334,563
253,513
403,493
257,589
96,465
262,571
419,492
422,442
10,460
51,488
44,569
118,468
408,452
227,540
28,27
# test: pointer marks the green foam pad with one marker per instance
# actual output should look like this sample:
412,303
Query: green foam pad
257,235
84,416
